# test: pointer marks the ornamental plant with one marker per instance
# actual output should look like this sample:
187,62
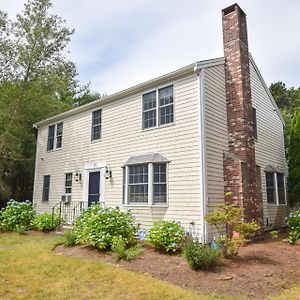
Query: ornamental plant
232,230
98,226
293,223
46,222
200,256
166,236
17,216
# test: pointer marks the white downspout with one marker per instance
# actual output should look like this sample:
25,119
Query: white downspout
202,143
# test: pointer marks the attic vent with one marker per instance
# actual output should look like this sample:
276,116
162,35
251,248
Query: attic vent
229,9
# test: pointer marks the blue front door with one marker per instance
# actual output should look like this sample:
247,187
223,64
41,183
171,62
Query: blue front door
94,188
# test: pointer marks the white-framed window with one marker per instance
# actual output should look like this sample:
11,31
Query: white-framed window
145,184
275,186
55,133
46,188
158,107
68,183
96,125
254,123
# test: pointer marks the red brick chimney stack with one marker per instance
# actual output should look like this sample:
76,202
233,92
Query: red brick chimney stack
240,171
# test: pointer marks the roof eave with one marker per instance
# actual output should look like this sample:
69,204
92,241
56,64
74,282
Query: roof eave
190,69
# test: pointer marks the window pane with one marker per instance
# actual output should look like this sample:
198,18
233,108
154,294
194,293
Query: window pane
166,114
149,118
280,186
46,188
68,183
149,101
138,184
51,131
165,96
270,187
160,185
59,129
96,124
59,142
254,120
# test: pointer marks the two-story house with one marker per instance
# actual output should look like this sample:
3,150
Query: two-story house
170,148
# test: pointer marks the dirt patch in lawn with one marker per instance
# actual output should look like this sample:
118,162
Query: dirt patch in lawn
264,268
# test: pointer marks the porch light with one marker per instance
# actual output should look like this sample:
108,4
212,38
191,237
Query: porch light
77,176
107,173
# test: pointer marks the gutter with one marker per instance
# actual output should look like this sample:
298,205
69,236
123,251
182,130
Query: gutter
200,70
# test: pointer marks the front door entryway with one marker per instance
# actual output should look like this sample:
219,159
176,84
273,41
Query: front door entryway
94,188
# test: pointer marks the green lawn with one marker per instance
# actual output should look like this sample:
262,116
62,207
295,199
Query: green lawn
30,270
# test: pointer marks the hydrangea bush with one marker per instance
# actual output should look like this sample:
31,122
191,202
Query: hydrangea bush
98,226
46,222
293,223
166,236
17,216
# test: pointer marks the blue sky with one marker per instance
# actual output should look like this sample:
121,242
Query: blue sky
118,44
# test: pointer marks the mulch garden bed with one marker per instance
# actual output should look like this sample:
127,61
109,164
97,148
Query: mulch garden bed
263,268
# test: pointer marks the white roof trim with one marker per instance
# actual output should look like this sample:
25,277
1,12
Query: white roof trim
266,88
190,69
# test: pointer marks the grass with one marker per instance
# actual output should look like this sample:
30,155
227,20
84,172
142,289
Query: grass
30,270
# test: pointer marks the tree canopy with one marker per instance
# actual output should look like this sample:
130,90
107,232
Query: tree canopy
36,81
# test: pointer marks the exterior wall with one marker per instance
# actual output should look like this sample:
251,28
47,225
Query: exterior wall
216,134
123,137
269,147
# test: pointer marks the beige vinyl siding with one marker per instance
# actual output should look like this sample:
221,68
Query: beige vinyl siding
269,147
122,137
216,135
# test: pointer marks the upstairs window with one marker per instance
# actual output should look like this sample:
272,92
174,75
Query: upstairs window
68,183
46,188
254,123
55,133
158,107
96,125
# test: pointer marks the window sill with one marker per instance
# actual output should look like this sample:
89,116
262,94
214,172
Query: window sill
54,150
96,141
159,127
275,204
145,206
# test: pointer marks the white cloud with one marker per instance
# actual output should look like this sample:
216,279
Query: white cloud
120,43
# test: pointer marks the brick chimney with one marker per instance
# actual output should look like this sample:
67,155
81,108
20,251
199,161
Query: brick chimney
242,176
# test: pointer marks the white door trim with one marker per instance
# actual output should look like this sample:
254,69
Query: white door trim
89,168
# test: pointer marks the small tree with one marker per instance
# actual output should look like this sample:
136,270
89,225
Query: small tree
232,230
294,162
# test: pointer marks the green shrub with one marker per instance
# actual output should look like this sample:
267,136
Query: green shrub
232,230
293,223
119,248
69,238
200,256
45,222
98,226
17,216
274,234
166,236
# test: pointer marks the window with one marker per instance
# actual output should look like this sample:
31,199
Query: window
147,184
138,184
270,184
160,184
275,188
280,188
254,123
149,109
165,97
68,183
55,133
158,107
96,125
46,188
